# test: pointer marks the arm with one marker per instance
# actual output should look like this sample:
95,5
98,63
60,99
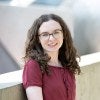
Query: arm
34,93
32,80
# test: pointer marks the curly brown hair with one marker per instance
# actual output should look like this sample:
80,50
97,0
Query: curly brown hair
67,53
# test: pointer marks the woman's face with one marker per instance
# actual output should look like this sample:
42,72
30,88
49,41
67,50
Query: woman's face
50,36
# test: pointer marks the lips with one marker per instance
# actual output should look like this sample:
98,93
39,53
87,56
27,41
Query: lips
52,45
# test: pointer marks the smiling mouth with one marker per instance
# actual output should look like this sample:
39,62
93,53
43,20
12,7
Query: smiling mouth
52,45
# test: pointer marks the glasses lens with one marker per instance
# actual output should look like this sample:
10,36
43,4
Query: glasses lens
57,34
44,36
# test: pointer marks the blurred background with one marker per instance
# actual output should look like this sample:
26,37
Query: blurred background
17,16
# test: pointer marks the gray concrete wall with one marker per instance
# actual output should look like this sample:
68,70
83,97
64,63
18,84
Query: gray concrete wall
87,26
88,83
15,92
6,60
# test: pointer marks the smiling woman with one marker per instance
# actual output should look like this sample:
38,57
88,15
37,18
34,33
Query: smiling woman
51,36
50,58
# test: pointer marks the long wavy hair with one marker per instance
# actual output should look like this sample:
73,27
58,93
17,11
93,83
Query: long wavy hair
67,53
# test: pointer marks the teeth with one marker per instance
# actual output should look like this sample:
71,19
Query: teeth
52,44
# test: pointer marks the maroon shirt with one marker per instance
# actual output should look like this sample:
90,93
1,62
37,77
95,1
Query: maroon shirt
60,85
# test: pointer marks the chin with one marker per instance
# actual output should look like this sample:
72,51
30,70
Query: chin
55,49
52,50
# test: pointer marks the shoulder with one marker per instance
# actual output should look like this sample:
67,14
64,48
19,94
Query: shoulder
70,74
32,64
32,75
32,68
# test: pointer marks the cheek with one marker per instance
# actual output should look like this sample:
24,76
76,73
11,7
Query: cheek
42,43
61,40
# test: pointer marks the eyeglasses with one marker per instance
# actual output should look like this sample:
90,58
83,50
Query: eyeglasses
56,34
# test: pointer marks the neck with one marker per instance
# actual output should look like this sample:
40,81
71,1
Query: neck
54,59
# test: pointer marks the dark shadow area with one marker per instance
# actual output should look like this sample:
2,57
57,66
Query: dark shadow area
7,63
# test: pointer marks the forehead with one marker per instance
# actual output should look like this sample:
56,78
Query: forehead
49,26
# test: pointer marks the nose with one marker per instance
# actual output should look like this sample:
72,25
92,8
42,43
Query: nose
51,37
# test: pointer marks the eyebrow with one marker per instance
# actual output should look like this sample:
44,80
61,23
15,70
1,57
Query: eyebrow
53,31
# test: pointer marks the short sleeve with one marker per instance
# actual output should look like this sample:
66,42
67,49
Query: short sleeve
32,75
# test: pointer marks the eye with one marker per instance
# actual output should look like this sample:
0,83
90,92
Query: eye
44,34
56,32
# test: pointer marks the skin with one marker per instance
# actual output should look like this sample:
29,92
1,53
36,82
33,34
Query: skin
51,47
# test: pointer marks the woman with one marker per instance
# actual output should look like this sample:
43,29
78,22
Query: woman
51,65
